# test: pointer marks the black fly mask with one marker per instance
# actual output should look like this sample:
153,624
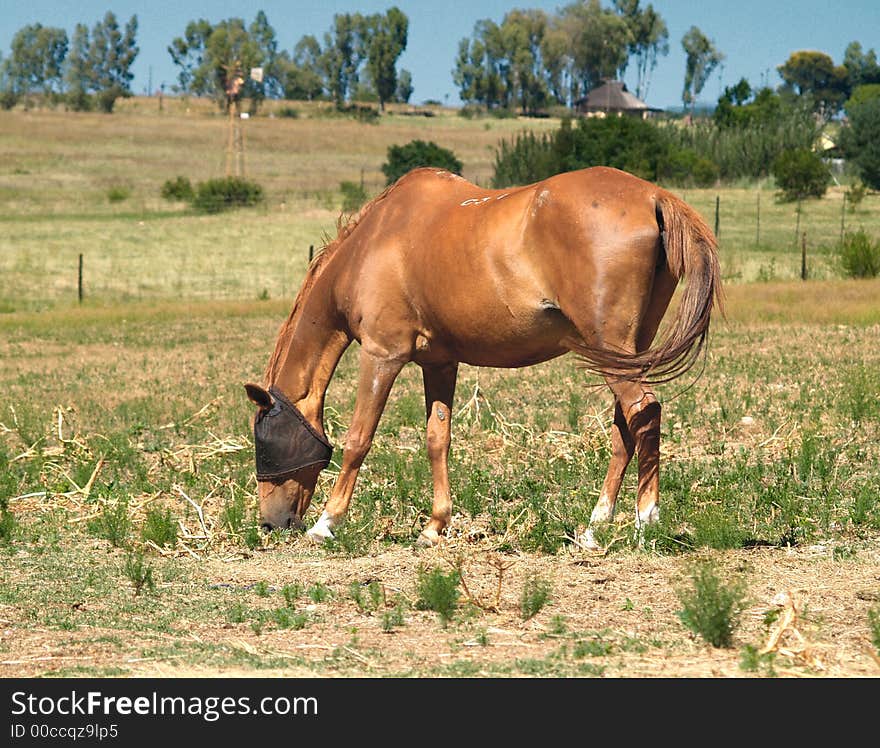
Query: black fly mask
285,442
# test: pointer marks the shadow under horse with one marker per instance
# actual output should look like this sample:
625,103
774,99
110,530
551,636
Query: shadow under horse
440,272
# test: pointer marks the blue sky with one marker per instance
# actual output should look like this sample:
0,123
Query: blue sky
754,35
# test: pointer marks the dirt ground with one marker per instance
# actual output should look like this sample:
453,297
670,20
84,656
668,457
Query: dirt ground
613,615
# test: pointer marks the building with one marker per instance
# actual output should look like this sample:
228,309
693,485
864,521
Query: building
612,98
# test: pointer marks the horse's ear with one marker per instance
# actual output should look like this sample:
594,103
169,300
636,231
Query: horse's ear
258,396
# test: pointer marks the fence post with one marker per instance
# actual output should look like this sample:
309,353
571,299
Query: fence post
843,218
804,256
717,211
797,225
311,252
79,281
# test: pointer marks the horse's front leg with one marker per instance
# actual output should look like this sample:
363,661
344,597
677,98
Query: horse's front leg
375,378
439,391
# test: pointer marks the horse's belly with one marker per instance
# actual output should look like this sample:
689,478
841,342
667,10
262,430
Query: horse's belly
508,340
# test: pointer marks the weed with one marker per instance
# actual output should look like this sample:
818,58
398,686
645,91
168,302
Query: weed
285,618
591,648
139,573
557,625
319,592
261,588
113,524
160,528
353,196
8,524
291,593
236,614
393,618
438,591
711,608
535,595
874,624
752,660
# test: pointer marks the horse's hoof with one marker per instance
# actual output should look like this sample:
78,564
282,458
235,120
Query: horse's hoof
587,541
428,539
320,531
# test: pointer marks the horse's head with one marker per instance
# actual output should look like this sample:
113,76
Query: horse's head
290,455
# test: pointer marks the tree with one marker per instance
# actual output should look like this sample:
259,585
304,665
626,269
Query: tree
860,140
650,38
111,54
188,53
385,40
37,59
77,73
861,67
404,90
702,59
600,41
263,36
301,74
342,55
814,74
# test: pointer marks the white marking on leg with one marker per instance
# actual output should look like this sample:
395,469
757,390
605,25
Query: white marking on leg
322,529
648,516
603,512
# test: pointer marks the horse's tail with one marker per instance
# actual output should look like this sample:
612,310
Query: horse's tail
691,254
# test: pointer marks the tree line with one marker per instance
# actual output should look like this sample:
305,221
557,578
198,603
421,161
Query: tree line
356,60
93,67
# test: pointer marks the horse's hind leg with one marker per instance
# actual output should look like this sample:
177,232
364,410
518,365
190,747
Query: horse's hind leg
439,391
375,378
622,449
641,410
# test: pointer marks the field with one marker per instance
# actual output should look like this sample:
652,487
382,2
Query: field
125,458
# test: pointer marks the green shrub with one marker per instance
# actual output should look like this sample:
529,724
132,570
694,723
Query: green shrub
8,524
800,173
217,195
288,112
438,592
711,608
535,595
179,188
859,255
117,194
404,158
353,196
160,528
8,99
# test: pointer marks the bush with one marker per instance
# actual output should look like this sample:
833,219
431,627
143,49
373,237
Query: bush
8,99
405,158
439,592
180,189
217,195
118,194
160,528
711,608
634,145
859,255
800,173
288,112
353,196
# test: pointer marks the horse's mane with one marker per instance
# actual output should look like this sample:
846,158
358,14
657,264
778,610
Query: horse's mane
344,227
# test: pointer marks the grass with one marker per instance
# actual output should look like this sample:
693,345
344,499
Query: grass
55,185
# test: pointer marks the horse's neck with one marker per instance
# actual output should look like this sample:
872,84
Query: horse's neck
313,348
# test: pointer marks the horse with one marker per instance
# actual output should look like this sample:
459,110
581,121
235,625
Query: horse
438,271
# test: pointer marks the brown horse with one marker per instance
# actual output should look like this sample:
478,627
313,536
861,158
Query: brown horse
438,271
